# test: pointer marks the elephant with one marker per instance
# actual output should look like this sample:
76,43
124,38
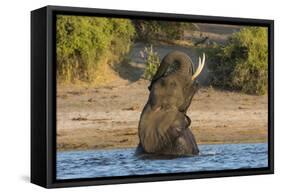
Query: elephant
164,127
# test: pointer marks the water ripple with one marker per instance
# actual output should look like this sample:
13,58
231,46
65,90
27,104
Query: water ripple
122,162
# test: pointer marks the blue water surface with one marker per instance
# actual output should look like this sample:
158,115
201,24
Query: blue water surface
124,162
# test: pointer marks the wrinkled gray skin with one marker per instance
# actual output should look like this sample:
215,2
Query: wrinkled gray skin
164,127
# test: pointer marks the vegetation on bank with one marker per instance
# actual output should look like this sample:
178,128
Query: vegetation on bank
152,62
153,30
86,45
242,63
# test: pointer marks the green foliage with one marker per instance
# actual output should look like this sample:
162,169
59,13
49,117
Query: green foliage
166,30
152,61
241,64
84,44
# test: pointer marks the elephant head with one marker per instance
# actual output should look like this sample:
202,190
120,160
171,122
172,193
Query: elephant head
164,126
181,64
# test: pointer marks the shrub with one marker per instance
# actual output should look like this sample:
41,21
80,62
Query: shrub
84,44
241,64
152,61
166,30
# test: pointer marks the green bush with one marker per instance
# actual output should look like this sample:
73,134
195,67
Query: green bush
85,44
152,61
242,63
149,30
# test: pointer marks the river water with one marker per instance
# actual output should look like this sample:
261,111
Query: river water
122,162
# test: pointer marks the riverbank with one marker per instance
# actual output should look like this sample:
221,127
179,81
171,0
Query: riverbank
107,117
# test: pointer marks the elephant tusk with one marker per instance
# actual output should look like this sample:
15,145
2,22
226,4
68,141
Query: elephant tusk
200,63
200,67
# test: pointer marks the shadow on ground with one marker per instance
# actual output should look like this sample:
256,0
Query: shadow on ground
132,68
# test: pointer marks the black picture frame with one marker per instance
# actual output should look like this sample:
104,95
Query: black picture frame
43,96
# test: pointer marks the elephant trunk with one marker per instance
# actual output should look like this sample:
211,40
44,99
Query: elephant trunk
180,59
184,66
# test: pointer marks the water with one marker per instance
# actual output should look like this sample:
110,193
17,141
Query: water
122,162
